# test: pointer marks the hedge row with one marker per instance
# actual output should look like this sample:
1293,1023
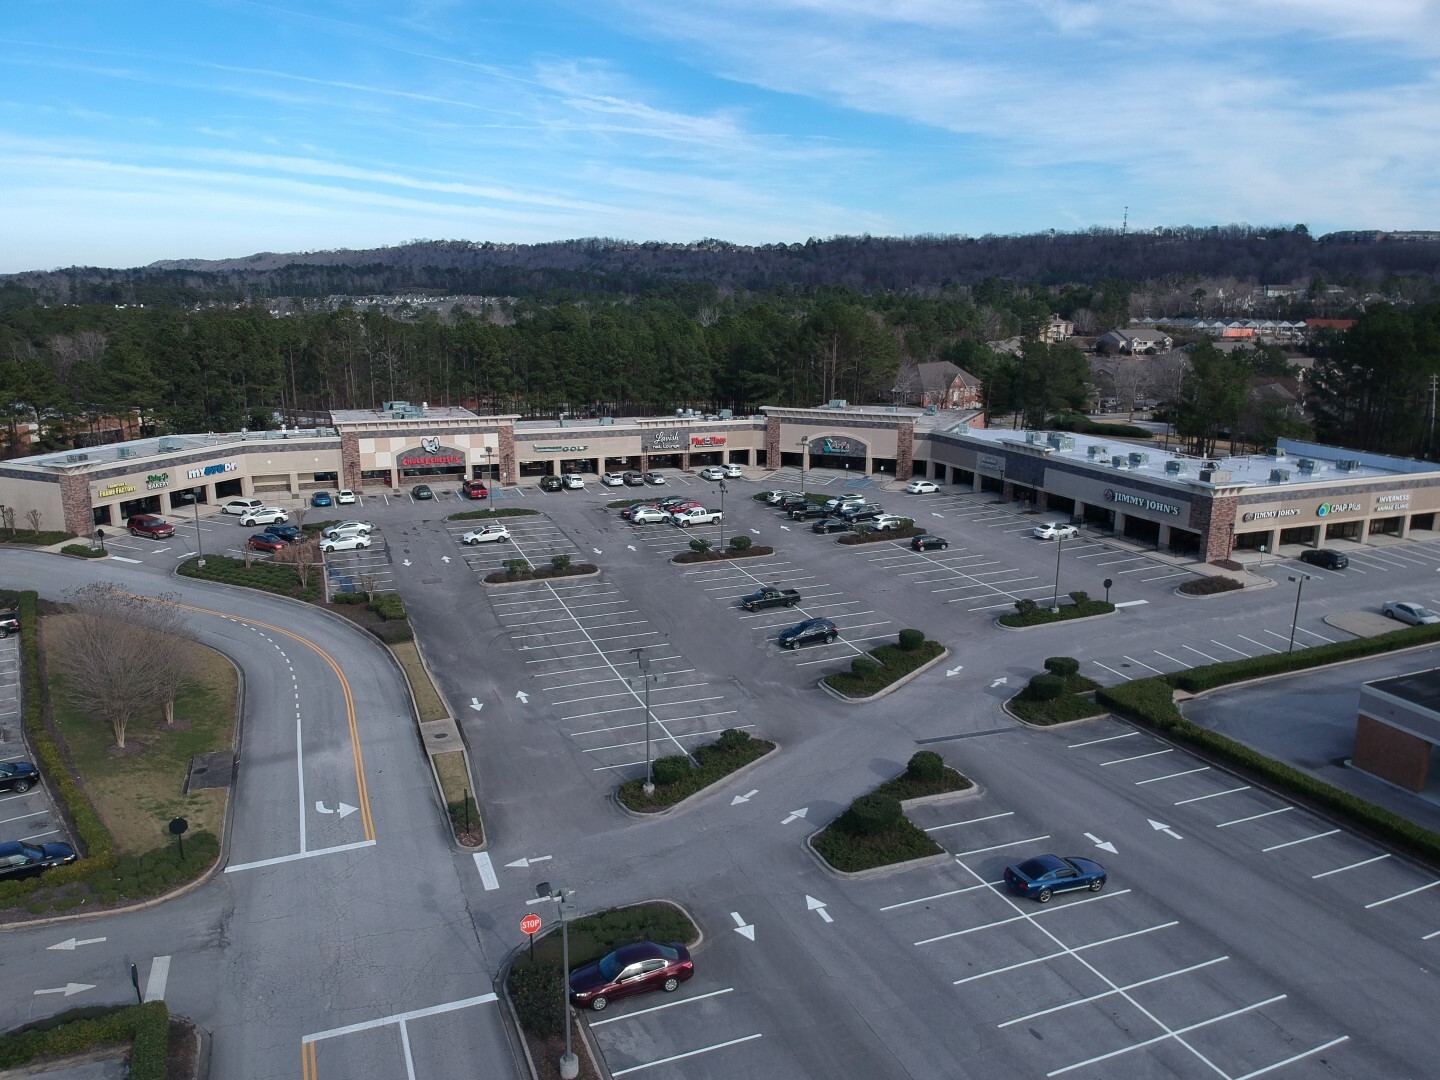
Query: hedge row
508,511
1209,586
146,1027
43,538
676,780
265,576
540,573
875,536
874,830
717,556
1213,675
884,665
1029,613
83,551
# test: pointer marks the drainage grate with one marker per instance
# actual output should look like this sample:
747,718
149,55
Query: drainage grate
209,771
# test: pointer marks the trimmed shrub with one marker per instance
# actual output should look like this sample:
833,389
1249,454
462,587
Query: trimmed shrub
732,739
1025,607
910,640
671,770
734,749
701,546
872,815
1209,586
740,543
863,668
1064,666
1046,687
350,598
387,605
560,562
925,766
82,551
1080,598
515,567
535,993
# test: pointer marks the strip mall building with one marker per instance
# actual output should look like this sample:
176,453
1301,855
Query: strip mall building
1299,494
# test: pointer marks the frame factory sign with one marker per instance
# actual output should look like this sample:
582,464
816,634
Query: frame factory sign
120,488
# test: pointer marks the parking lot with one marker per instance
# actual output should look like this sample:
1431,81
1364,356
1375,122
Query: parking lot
26,815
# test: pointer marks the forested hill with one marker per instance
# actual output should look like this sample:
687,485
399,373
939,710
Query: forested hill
869,264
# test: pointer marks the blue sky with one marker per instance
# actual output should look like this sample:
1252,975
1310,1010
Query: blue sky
219,128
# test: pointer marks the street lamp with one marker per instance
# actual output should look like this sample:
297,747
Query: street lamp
643,662
1055,604
723,489
195,502
565,899
804,459
1299,578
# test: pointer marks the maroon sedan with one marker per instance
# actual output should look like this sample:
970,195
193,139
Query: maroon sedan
157,528
265,542
630,969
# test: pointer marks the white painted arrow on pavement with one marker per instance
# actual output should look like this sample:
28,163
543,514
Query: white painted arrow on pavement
343,809
744,798
476,704
597,551
933,514
999,682
1104,844
811,904
796,814
954,670
785,528
742,927
445,558
404,562
67,989
521,864
755,531
71,944
630,547
523,696
1160,826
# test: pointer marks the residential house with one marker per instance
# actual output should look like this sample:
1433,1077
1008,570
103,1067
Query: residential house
1134,340
938,383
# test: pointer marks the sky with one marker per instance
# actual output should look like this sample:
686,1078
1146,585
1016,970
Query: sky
134,132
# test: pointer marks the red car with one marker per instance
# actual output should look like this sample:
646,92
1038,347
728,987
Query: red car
630,969
157,528
475,489
265,542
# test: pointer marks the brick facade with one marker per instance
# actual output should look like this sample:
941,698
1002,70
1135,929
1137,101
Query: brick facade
1391,754
350,461
509,471
772,442
904,451
1214,520
75,498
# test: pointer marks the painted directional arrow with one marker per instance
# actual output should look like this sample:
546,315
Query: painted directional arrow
796,814
744,798
67,989
521,864
999,682
597,551
1102,844
71,944
630,547
811,904
343,809
1160,826
445,558
954,670
755,531
476,704
785,528
933,514
523,696
404,562
742,927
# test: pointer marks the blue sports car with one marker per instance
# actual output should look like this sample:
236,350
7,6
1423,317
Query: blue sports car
1045,875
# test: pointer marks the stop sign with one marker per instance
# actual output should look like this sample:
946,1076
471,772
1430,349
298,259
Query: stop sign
530,924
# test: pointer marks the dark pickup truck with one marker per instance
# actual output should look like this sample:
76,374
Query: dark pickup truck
808,511
769,596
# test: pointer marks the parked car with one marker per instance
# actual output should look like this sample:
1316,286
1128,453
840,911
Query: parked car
773,497
1045,875
806,511
486,534
572,481
768,596
266,515
1056,530
19,859
422,492
241,506
265,542
888,522
655,478
630,969
321,498
347,541
793,502
474,489
1325,558
922,487
9,623
861,511
634,479
712,472
551,483
1406,612
695,515
345,497
612,479
289,533
671,502
18,776
732,472
648,515
928,542
808,631
629,512
839,505
830,524
347,526
157,528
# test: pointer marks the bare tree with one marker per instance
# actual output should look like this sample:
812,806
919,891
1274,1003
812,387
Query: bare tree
304,556
7,517
34,517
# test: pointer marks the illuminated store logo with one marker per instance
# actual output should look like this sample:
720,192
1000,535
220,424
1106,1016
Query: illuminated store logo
1325,509
212,470
1125,499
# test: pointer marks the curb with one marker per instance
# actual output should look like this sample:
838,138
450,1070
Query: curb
1266,584
896,685
1058,622
650,815
541,581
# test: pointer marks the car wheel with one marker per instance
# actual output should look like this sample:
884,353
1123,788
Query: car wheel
20,786
134,532
472,543
1043,896
829,639
1097,884
1388,614
793,644
671,984
599,1003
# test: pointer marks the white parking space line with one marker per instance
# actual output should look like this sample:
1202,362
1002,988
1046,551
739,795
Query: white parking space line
1352,866
1257,644
1137,757
1112,671
1173,775
1213,795
1254,817
678,1003
1197,652
1172,659
971,821
1237,652
1111,993
1294,1058
1147,667
998,847
942,895
1024,917
1402,896
1097,742
1302,840
1063,952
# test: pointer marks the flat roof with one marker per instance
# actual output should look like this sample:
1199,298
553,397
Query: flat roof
1419,688
137,449
389,416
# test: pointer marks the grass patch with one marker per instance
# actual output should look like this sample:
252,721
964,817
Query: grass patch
459,798
392,630
137,791
541,573
428,702
32,538
733,750
751,552
265,576
889,663
1209,586
503,512
1029,613
83,551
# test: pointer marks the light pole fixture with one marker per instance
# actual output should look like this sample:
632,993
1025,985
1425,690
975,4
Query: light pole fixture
199,547
1055,603
723,489
804,460
1299,578
565,904
643,662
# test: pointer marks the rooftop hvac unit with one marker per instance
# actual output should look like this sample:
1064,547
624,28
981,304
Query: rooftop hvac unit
1120,461
1037,438
679,414
564,423
962,428
1279,476
1309,465
1211,465
1348,465
607,421
931,410
839,403
123,452
1138,460
1214,476
171,445
395,406
1275,453
1097,451
1062,441
725,414
1176,467
75,459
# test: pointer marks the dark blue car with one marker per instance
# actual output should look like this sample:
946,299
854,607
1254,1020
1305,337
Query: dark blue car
321,498
289,533
1045,875
21,860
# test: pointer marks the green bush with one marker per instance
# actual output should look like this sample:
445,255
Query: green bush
350,598
560,562
893,664
910,640
1045,687
1064,666
1025,607
731,740
471,515
850,853
387,605
1080,597
146,1027
740,543
82,551
1034,615
925,766
864,668
1209,586
535,993
700,546
515,567
670,770
265,576
392,633
872,815
732,750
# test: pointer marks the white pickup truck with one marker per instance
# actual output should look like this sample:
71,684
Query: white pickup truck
696,515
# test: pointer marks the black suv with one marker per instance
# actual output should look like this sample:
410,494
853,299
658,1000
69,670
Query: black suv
805,513
863,512
793,502
550,483
829,525
1325,558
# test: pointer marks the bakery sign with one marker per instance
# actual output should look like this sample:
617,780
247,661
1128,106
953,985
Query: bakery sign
430,453
707,440
664,440
157,480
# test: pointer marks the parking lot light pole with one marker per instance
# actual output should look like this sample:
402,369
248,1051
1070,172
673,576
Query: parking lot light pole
199,547
1299,579
804,460
565,903
643,662
1055,603
722,514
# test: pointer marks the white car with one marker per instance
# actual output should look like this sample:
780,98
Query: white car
613,479
242,506
648,515
265,515
840,502
572,481
362,527
774,496
886,522
1056,531
1414,614
922,487
732,472
713,472
486,534
346,497
345,542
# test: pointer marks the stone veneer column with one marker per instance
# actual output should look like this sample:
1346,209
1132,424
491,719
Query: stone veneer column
75,499
904,451
350,461
508,469
772,442
1214,520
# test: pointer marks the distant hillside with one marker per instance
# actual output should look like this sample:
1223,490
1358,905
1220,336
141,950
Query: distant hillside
865,263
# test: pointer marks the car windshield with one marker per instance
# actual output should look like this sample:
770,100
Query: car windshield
31,851
1421,612
1035,868
609,967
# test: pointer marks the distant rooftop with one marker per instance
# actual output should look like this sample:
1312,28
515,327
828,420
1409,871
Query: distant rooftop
136,449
